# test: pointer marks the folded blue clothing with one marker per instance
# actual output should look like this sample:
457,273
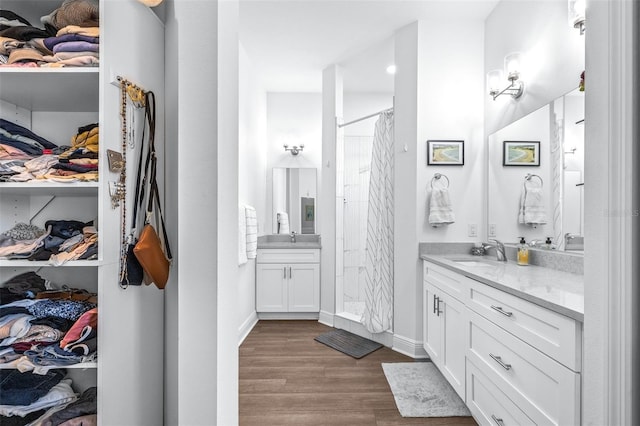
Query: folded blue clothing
16,129
18,388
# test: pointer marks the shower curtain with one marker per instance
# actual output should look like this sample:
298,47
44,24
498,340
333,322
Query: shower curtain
378,314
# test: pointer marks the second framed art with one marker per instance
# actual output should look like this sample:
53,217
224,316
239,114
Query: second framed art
521,153
445,153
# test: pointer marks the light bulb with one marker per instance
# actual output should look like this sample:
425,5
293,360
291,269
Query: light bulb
391,69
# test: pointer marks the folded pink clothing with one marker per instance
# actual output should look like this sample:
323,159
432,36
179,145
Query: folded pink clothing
80,61
62,56
8,152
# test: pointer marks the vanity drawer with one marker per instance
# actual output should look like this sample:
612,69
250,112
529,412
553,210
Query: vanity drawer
452,283
554,334
300,255
546,391
488,404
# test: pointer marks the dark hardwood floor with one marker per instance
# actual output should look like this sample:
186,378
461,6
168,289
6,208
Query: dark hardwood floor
287,378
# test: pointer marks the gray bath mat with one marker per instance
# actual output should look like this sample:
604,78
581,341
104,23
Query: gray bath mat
420,390
348,343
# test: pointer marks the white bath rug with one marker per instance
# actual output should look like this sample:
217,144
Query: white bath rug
420,390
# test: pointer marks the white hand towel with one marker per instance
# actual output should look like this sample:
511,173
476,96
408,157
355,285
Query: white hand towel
532,211
440,208
242,235
252,232
283,223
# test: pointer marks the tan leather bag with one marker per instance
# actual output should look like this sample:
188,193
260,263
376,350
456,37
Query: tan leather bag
149,252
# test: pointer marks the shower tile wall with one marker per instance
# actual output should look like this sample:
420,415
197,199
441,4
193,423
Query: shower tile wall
357,163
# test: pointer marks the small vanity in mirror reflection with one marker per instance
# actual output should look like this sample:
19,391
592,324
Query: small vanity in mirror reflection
545,198
294,200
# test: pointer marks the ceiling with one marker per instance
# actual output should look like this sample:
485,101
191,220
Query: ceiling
290,42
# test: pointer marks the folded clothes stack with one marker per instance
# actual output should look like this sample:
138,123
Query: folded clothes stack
25,156
70,37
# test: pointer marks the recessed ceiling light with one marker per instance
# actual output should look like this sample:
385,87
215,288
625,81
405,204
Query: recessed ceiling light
391,69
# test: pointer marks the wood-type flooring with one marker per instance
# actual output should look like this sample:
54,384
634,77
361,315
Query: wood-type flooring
287,378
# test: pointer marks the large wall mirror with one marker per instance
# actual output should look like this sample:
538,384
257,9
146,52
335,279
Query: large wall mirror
294,200
536,176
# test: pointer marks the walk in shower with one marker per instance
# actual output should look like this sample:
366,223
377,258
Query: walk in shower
354,204
364,223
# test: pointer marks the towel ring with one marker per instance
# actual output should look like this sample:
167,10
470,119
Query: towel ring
529,176
437,176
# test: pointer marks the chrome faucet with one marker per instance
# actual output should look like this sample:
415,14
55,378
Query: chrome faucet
500,253
293,236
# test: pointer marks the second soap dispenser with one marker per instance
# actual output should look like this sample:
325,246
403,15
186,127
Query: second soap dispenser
523,252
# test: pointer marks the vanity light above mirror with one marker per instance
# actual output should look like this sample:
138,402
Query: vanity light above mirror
512,70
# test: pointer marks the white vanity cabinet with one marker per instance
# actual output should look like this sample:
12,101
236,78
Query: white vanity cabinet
288,280
444,318
521,361
530,354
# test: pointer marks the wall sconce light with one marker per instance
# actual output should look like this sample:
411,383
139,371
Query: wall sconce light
512,69
295,150
577,14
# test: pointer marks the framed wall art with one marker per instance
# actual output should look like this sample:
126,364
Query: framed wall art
445,153
521,153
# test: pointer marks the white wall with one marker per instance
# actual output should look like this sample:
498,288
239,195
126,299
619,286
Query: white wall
293,119
252,176
205,193
360,104
438,96
451,108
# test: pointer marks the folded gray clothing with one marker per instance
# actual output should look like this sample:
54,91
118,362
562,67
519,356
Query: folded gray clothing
23,231
83,13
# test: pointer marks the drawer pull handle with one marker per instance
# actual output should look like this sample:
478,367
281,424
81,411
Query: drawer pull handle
499,361
498,421
285,272
435,309
502,311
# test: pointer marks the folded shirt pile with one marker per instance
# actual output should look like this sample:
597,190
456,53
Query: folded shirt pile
26,156
70,37
54,328
63,240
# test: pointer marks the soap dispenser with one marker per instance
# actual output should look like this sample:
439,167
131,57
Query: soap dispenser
548,243
523,252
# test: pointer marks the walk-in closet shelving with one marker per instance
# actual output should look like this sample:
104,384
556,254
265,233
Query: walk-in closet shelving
53,103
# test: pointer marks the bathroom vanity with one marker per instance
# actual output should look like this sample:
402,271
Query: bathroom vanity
288,277
508,338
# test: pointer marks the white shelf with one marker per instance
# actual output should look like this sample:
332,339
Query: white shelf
20,263
79,366
50,188
67,89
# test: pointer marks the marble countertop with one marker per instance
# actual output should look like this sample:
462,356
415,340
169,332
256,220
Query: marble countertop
562,292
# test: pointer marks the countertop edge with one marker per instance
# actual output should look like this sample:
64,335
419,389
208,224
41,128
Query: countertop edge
283,245
563,310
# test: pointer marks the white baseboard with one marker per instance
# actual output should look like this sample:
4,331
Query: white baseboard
247,326
288,315
326,318
409,347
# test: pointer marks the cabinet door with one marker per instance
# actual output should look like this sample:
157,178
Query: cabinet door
454,332
304,287
271,287
432,326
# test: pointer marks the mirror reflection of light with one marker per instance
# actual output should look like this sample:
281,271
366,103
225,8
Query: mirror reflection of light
391,69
